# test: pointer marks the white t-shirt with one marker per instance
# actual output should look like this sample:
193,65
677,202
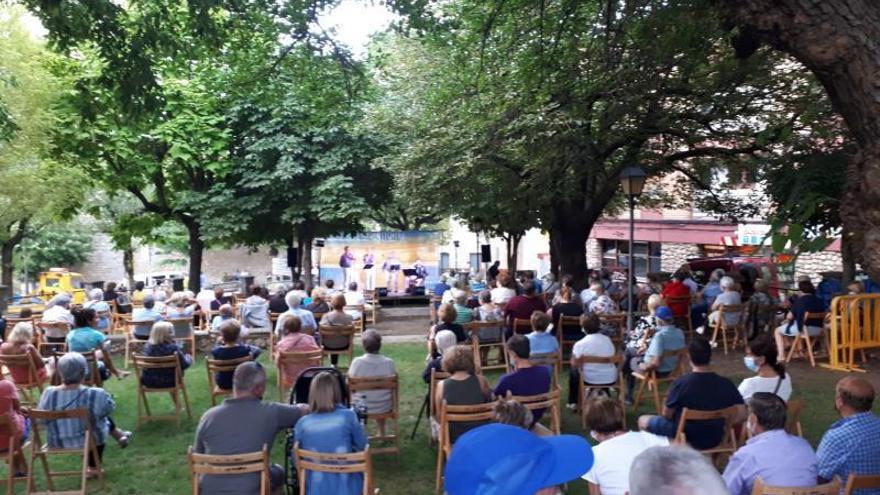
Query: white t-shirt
749,386
613,458
500,295
597,345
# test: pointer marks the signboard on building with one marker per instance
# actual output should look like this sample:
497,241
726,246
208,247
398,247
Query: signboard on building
753,234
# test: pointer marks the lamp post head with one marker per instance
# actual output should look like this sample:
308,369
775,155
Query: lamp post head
633,180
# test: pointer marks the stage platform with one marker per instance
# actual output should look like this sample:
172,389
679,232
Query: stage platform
402,299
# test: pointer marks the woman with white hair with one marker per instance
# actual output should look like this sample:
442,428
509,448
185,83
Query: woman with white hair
58,311
729,297
20,341
162,344
294,308
101,307
72,394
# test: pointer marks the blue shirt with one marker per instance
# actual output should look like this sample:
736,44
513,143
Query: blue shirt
337,432
84,339
542,343
440,288
70,433
668,338
760,457
711,291
851,445
306,317
144,314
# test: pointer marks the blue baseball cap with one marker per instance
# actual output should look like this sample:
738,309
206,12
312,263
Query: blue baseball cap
664,313
498,459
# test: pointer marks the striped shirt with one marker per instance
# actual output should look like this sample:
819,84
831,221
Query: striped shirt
70,433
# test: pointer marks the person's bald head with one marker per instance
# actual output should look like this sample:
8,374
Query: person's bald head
854,395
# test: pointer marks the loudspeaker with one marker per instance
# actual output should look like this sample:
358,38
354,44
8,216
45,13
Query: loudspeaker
485,253
319,242
292,257
418,291
382,292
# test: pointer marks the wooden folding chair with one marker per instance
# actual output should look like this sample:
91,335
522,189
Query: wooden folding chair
172,362
93,375
305,359
860,482
26,389
803,337
391,434
273,336
552,359
373,311
333,332
722,327
58,328
481,348
436,377
566,344
130,340
184,332
793,417
585,388
360,324
42,451
549,402
319,462
215,366
673,301
832,488
650,379
12,451
727,446
457,414
521,326
229,465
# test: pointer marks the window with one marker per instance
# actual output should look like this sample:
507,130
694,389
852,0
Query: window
475,261
646,256
444,261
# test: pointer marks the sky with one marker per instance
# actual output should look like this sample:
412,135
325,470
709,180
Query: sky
355,20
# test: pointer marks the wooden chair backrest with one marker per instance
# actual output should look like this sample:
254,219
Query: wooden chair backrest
726,309
54,325
11,321
680,365
234,464
520,324
361,384
539,401
474,327
225,365
157,363
545,359
40,417
183,327
337,331
814,316
568,321
436,377
860,482
21,361
300,357
462,414
727,414
832,488
355,462
135,324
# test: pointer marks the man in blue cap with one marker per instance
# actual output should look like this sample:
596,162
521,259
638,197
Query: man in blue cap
668,337
498,459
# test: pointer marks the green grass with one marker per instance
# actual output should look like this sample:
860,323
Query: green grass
155,462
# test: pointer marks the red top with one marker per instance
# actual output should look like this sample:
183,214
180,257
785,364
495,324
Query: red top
522,307
677,289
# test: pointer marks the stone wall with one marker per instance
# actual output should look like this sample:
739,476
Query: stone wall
673,255
104,263
812,264
594,253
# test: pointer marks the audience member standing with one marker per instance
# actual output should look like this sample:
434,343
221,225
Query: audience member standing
346,262
703,390
369,270
617,447
760,456
242,424
852,444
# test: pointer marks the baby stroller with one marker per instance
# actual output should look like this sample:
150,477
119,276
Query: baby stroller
300,395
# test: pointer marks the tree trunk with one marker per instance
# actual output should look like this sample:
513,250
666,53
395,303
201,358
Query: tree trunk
196,250
571,227
554,255
128,265
6,250
306,261
848,258
513,241
297,272
839,40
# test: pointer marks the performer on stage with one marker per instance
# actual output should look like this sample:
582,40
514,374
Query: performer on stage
421,273
346,261
369,272
391,267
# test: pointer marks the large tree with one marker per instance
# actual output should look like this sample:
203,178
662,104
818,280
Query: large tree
566,95
839,41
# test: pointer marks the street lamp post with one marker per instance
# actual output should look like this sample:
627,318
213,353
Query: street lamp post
456,244
633,181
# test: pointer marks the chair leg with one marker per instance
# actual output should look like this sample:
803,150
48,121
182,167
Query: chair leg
438,482
656,389
809,344
794,345
724,337
639,393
